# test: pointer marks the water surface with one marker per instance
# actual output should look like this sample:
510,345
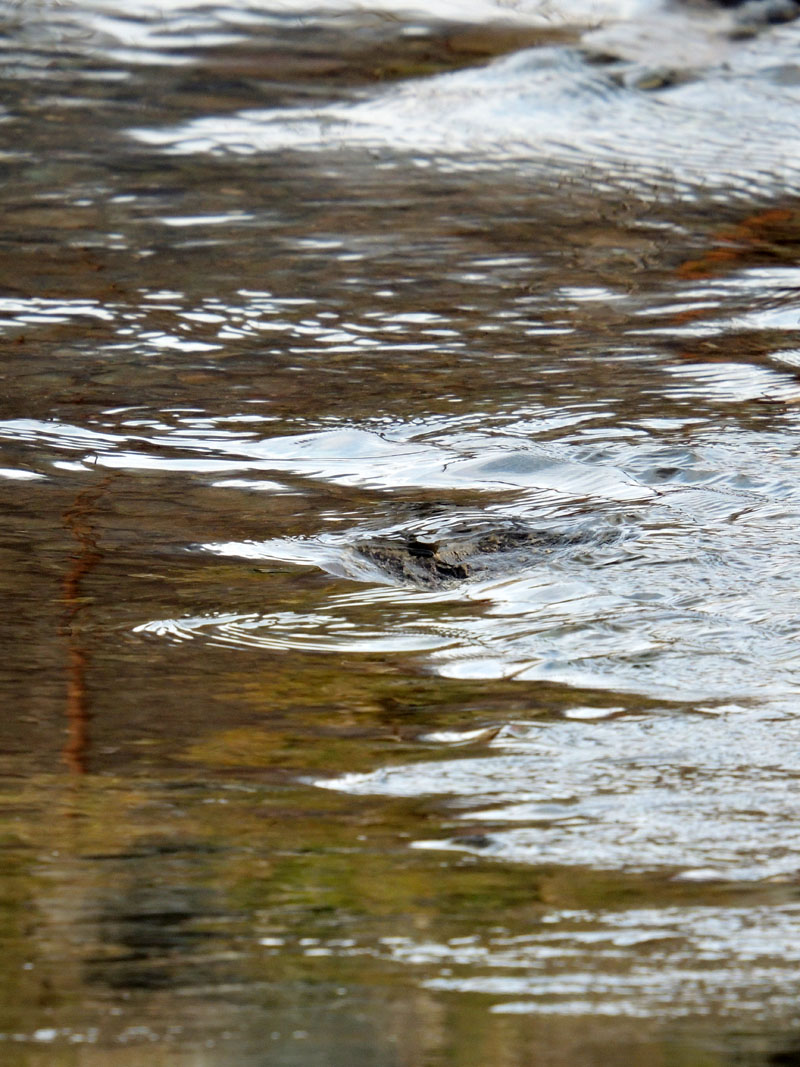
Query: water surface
283,283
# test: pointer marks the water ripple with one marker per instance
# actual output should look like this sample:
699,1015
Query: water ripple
641,962
552,111
691,794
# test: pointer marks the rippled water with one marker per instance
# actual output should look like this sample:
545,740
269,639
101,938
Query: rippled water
398,440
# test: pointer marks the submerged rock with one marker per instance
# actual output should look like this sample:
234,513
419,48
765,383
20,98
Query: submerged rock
469,551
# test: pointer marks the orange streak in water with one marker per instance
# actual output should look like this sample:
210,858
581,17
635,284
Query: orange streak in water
77,520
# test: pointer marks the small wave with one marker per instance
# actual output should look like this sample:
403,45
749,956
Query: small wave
286,630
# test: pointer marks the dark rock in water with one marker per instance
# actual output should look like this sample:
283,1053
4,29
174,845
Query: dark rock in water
468,551
762,12
474,841
765,12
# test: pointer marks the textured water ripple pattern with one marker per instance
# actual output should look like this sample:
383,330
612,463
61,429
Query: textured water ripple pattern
682,583
708,797
641,962
684,589
726,962
553,292
562,113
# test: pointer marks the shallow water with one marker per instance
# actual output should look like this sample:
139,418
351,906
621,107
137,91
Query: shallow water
282,284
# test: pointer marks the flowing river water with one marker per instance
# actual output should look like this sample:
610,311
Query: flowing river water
399,445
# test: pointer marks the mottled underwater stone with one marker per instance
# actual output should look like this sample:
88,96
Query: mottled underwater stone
470,551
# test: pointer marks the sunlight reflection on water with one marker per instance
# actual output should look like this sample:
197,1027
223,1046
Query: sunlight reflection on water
398,432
